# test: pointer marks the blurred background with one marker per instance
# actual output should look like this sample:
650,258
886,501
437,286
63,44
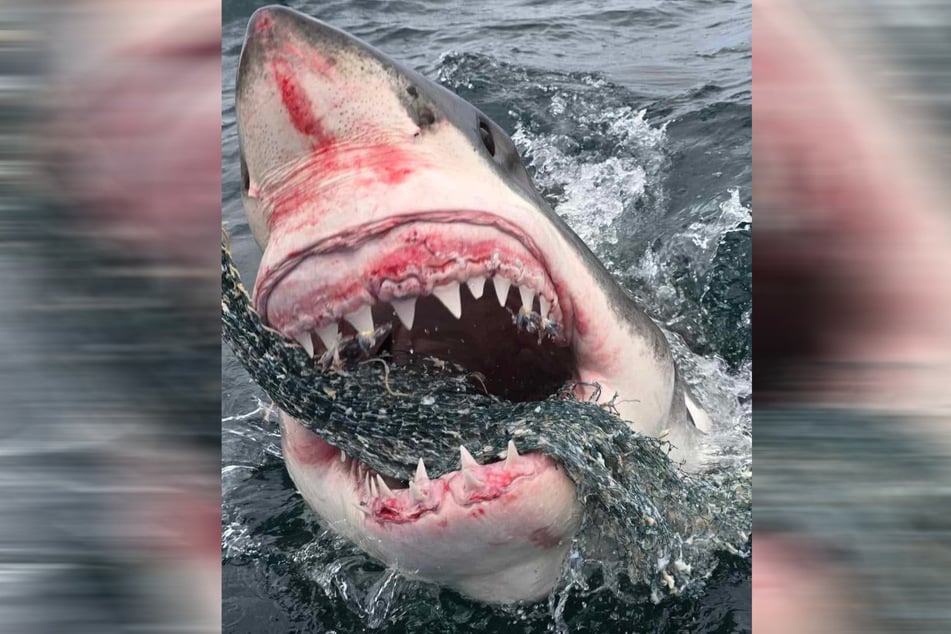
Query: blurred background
109,318
852,337
110,377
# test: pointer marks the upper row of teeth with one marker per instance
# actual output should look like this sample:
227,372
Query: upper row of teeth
450,295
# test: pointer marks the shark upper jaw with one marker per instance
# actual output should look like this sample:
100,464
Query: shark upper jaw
468,287
497,533
350,160
401,258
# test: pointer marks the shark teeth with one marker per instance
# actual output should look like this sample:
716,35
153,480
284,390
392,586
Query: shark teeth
528,297
306,343
502,286
421,476
468,466
451,298
361,319
420,494
543,306
405,309
381,485
466,458
416,493
510,455
476,286
328,335
470,480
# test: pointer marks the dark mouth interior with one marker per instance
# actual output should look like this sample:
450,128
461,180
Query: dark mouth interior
508,360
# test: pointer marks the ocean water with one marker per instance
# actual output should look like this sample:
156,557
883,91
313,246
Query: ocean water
635,121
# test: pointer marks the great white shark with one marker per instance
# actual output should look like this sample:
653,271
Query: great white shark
379,196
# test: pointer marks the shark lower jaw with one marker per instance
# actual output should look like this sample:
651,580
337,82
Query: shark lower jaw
465,287
497,532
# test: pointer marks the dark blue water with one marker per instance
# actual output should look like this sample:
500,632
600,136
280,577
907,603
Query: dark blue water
635,121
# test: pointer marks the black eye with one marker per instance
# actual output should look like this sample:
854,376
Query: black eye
486,135
426,116
245,177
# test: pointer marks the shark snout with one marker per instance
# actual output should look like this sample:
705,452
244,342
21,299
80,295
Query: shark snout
273,29
318,110
285,91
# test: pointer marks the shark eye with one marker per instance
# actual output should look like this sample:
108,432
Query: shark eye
486,135
426,116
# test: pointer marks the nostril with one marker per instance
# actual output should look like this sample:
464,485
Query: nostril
263,20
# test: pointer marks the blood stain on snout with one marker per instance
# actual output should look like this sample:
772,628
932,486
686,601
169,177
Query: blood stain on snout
298,104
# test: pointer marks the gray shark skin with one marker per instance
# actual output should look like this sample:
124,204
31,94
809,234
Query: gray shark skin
389,210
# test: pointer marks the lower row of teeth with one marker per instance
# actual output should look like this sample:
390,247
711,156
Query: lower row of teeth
450,297
374,486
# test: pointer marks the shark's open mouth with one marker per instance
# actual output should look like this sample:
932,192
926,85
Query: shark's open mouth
473,291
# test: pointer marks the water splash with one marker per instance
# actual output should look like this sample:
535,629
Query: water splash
589,188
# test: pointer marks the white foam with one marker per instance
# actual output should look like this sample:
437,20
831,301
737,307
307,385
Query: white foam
711,228
595,190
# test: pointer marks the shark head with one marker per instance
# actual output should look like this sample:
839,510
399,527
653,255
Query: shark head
379,197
